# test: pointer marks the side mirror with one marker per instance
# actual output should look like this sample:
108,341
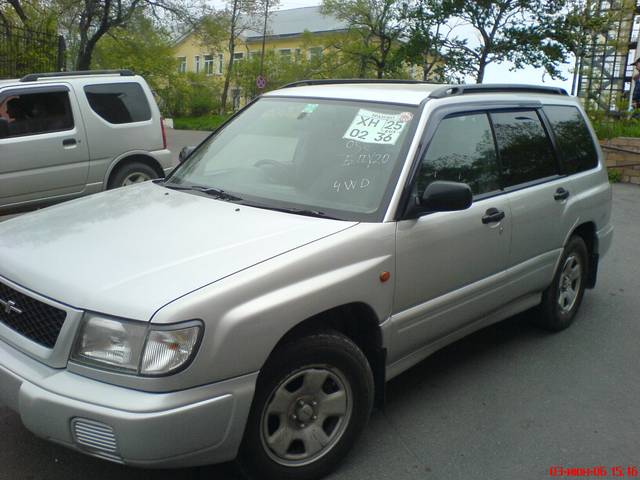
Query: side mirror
441,196
185,152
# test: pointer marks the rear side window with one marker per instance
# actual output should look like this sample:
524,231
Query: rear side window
525,151
573,138
119,102
34,113
462,150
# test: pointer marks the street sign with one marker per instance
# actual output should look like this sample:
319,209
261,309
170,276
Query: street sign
261,82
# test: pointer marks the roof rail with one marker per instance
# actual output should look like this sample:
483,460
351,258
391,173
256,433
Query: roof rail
33,77
453,90
338,81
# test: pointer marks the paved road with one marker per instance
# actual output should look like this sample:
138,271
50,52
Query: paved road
506,403
176,139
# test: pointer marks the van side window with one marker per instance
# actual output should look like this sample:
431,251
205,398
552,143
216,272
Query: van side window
34,113
462,150
119,102
525,150
573,138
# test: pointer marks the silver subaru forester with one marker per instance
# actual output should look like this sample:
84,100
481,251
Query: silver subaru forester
332,234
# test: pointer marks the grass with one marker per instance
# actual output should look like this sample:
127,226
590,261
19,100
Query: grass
608,128
205,122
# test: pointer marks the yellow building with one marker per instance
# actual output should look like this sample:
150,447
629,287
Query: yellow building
284,34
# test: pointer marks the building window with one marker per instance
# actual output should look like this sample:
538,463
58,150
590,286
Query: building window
285,54
315,53
220,63
208,64
182,64
298,54
238,56
197,63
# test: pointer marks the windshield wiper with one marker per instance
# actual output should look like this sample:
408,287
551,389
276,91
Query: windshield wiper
300,211
214,192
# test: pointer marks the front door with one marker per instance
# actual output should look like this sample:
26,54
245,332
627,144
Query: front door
43,150
447,263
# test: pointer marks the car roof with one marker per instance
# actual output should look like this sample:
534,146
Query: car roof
414,93
408,94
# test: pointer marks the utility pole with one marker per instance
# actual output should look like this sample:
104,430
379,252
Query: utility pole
264,35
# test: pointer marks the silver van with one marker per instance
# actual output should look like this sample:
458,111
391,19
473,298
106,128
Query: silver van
63,135
332,234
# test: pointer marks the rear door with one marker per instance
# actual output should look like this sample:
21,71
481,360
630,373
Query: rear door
447,262
537,193
43,149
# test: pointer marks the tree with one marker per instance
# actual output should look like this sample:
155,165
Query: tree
431,43
379,28
143,47
520,31
87,21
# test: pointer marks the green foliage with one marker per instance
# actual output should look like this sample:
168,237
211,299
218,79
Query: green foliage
607,128
377,30
189,94
614,175
519,31
205,122
431,42
143,47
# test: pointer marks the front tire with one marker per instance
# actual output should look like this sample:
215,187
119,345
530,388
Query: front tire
313,399
562,299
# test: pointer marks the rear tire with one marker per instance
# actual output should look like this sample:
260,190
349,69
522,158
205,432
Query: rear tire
313,399
131,173
562,299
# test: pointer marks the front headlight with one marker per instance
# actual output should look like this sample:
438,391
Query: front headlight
136,347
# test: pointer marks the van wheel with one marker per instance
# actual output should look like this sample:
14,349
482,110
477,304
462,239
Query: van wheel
130,173
561,301
312,401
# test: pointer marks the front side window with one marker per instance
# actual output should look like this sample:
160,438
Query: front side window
338,157
34,113
525,151
197,62
461,150
119,102
573,138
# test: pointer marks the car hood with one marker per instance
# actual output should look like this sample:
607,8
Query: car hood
130,251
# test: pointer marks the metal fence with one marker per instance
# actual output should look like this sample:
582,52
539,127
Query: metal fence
24,51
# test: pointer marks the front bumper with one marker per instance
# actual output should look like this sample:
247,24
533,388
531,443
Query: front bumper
191,427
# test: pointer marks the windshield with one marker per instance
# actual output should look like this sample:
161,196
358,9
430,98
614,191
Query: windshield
328,157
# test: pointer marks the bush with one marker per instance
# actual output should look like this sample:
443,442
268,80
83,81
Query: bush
614,175
189,94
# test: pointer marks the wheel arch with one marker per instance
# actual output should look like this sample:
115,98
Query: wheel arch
358,322
587,231
131,157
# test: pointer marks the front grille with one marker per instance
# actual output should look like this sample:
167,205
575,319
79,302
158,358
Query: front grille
97,438
30,317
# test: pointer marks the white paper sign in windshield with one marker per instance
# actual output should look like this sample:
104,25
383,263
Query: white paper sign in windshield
374,127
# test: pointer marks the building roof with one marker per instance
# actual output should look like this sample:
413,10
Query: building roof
294,21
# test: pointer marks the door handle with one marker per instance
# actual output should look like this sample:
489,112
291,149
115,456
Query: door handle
561,194
492,215
69,142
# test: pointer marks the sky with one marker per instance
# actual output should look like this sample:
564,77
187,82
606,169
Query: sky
496,73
